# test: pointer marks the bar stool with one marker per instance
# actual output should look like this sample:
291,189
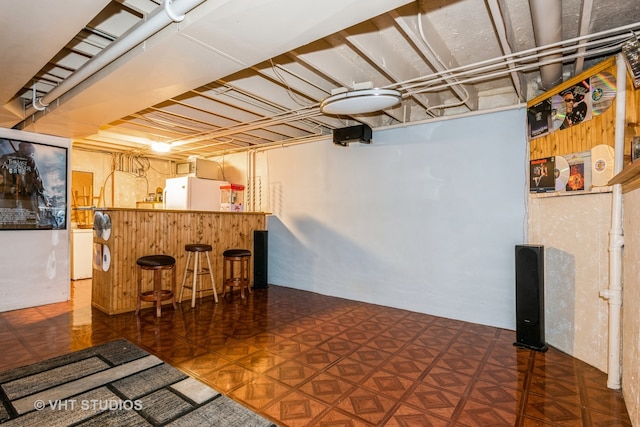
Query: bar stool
157,264
235,278
197,271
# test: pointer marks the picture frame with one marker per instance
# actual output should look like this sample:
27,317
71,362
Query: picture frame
542,175
33,185
635,148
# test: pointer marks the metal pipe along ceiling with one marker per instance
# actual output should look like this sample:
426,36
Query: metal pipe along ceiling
156,21
547,29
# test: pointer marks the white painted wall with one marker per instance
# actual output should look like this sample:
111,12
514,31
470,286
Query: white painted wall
35,264
631,306
575,232
426,218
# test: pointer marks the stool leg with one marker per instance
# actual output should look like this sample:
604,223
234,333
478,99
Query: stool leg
139,274
157,289
242,282
232,279
195,272
184,277
173,287
247,276
224,277
213,282
201,272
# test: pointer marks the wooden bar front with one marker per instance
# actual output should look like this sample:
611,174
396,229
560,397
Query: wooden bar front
139,232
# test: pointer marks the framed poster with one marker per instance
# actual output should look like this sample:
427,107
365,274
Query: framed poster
539,118
542,176
573,105
635,148
33,186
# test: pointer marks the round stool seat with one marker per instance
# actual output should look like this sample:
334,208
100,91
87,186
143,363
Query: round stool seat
157,264
236,253
198,247
156,261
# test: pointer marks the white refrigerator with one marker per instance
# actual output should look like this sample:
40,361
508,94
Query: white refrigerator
191,193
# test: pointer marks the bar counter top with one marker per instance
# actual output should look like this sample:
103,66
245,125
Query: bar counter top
103,209
122,235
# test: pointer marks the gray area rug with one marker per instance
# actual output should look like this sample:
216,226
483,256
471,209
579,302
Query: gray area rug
115,384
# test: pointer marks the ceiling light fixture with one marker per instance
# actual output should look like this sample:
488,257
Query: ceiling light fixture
360,101
161,147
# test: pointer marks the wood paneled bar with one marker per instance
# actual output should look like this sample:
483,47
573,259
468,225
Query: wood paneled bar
139,232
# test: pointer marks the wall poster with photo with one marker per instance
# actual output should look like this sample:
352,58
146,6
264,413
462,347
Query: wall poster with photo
33,186
635,148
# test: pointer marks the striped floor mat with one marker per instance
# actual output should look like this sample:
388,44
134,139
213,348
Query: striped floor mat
114,384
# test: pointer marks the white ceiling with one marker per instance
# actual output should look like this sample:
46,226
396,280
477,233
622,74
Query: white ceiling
116,75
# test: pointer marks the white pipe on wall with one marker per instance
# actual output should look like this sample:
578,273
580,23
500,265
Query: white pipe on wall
616,238
140,32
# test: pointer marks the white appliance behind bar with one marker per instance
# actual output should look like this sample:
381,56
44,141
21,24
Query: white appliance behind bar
200,168
192,193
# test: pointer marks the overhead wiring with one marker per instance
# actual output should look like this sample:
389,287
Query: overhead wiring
532,57
292,94
428,45
500,73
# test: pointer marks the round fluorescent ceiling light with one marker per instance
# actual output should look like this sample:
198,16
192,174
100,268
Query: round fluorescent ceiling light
360,101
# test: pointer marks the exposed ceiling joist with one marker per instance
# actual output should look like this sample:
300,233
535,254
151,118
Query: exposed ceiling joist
235,76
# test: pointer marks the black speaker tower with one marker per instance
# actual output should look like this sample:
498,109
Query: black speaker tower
530,297
260,257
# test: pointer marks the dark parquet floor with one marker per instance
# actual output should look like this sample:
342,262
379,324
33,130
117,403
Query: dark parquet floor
303,359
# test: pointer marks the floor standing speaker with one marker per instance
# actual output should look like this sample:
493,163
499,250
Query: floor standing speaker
530,297
260,257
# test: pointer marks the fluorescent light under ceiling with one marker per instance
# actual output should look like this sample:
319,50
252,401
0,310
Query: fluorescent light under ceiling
360,101
160,147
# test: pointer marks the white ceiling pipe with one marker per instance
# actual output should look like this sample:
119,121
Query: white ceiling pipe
547,28
613,35
140,32
171,13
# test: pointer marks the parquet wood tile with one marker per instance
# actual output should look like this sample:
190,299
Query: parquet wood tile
260,393
351,369
388,385
296,409
405,367
406,415
434,401
445,379
261,360
367,405
479,414
336,418
292,373
206,364
304,359
326,387
229,377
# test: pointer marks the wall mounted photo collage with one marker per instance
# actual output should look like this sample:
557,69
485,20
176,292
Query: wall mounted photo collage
569,107
573,172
